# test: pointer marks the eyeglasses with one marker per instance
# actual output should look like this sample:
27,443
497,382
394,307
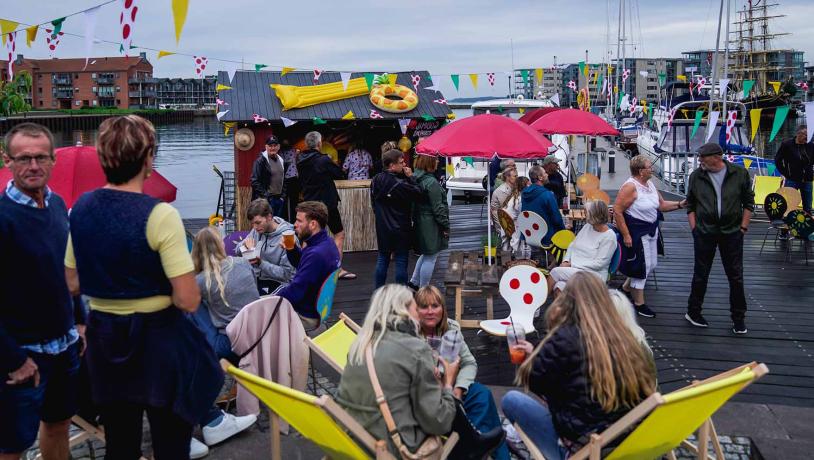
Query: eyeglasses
25,160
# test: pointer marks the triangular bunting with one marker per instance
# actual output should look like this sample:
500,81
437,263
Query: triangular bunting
257,67
747,87
525,74
538,72
317,74
747,162
90,31
473,77
699,115
754,122
286,70
221,87
403,124
776,86
427,117
556,99
723,85
127,20
11,48
455,80
31,35
771,168
711,124
318,121
228,126
369,80
162,53
345,77
780,115
349,115
221,114
6,27
179,17
287,122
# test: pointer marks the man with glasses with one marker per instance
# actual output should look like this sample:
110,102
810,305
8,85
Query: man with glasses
39,341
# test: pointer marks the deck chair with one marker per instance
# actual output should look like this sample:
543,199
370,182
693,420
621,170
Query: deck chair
332,346
318,419
88,431
764,185
666,421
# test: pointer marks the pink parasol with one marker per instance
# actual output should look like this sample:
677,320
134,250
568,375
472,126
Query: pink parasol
573,121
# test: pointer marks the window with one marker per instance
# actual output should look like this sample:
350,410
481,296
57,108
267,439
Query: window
93,75
95,102
40,103
93,89
39,90
118,102
77,103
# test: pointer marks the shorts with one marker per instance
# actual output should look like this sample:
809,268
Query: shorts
54,400
335,220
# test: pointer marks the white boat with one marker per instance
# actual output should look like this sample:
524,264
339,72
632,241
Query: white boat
511,107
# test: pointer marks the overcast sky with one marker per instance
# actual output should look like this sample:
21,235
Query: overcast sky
441,36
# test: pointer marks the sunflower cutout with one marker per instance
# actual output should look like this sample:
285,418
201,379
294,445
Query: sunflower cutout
775,206
801,225
587,182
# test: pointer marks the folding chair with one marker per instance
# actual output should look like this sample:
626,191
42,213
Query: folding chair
764,185
318,419
89,431
666,421
333,346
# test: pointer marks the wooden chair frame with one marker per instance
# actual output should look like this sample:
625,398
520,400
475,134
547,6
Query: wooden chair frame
89,431
313,347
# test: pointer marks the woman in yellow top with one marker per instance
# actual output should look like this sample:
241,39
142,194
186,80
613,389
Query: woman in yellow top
127,252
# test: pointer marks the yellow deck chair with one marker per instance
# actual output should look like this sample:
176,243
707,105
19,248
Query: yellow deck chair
333,345
667,420
765,185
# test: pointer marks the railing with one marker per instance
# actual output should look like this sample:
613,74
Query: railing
108,94
64,94
143,80
105,80
63,81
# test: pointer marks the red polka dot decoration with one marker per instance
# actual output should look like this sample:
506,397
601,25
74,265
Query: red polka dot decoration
525,214
528,232
514,283
535,277
200,64
127,19
528,298
535,226
505,323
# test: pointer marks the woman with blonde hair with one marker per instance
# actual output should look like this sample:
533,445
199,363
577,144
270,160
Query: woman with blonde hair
420,404
589,369
591,251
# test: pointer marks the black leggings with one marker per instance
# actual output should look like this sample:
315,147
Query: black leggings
170,434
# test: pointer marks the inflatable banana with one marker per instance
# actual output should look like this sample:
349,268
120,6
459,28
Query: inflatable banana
297,97
408,101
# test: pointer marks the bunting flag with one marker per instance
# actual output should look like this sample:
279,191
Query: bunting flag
258,67
670,118
596,77
804,86
162,53
11,46
90,30
625,75
318,121
228,126
699,115
432,86
404,123
582,68
662,78
220,101
427,117
473,77
455,80
179,17
287,122
723,85
643,73
317,74
57,23
52,43
525,74
221,114
620,99
31,35
701,82
556,99
200,65
650,115
374,114
711,124
391,78
809,108
600,83
539,74
754,122
369,80
284,71
221,87
258,119
349,115
127,19
731,118
771,168
441,101
491,77
685,112
230,72
747,87
416,79
521,110
345,77
746,162
633,105
780,114
776,86
681,77
7,27
573,85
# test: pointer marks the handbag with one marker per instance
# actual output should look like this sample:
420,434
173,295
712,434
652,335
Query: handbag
430,449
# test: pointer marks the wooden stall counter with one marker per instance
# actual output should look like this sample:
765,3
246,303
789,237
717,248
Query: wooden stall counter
357,215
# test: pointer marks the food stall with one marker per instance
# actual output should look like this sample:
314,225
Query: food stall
349,110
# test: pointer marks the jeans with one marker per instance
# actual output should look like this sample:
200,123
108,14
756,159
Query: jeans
535,420
383,262
276,205
731,247
422,274
481,411
805,189
170,434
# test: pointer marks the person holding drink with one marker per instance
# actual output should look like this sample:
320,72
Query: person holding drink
478,402
271,266
515,334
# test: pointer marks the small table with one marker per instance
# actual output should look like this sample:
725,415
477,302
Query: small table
471,276
577,217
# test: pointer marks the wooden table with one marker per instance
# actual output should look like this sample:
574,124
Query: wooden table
470,276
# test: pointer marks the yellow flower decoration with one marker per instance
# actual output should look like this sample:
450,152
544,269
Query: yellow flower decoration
215,219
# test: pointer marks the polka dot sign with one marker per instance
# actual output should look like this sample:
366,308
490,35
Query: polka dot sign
126,20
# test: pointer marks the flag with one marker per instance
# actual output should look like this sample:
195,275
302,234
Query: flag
349,115
90,30
11,46
416,79
221,114
432,86
7,27
441,101
227,126
52,42
723,85
221,87
711,124
317,74
287,122
220,101
285,70
258,119
127,20
556,99
746,162
747,87
539,74
491,77
662,78
318,121
404,123
670,117
179,16
369,80
200,65
776,86
780,114
31,35
754,122
473,77
809,108
699,114
625,75
345,77
258,67
573,85
525,74
731,117
374,114
161,54
582,68
681,77
455,80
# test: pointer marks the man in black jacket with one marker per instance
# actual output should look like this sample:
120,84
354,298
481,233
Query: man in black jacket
795,161
551,164
267,176
317,174
393,192
720,202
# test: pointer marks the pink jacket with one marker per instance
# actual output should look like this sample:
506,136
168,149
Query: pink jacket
281,356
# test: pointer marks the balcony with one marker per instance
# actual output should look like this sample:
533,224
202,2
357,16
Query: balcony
105,80
106,94
63,81
63,94
143,80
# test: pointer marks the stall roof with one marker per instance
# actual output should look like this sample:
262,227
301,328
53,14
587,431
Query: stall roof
251,94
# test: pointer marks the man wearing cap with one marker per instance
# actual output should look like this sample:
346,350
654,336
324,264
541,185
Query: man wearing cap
268,174
551,165
795,161
720,202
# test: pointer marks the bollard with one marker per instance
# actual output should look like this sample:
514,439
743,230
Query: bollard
612,161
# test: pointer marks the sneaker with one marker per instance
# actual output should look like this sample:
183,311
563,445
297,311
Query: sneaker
739,326
228,427
696,320
644,310
197,449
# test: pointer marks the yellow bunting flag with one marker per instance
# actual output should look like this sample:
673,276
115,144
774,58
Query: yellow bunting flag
539,74
746,163
450,169
521,110
587,70
474,78
227,126
221,87
31,35
775,84
161,54
685,112
7,26
681,77
287,70
391,77
596,77
754,121
349,115
179,15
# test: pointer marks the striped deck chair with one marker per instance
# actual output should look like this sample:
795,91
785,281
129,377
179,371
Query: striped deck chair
666,421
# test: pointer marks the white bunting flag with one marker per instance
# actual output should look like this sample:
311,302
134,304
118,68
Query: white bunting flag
317,74
258,119
231,72
713,121
441,101
416,79
403,124
491,77
809,107
52,40
221,114
90,29
556,99
433,87
374,114
200,65
287,121
345,76
11,47
723,83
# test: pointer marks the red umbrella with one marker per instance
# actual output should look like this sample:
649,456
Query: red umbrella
78,170
483,136
573,121
534,115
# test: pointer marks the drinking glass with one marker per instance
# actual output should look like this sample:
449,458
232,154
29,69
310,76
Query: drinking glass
288,239
515,333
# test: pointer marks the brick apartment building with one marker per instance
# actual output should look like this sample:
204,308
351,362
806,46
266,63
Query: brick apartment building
122,82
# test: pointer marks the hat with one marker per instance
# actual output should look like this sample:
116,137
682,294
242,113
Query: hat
244,139
710,149
272,140
551,159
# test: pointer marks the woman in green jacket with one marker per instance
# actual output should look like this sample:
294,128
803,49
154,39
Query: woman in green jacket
431,218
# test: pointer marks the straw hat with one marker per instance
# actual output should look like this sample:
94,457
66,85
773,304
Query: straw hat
244,139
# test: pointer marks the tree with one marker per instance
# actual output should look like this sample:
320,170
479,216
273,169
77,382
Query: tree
13,94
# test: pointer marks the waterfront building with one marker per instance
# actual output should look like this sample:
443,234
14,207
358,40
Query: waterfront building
646,86
550,85
187,93
120,82
570,72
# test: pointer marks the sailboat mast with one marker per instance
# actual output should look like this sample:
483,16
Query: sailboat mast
715,61
618,53
624,51
724,113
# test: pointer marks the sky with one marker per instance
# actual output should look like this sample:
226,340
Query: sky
441,36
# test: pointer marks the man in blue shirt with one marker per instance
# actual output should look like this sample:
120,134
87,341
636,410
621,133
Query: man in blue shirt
39,341
540,200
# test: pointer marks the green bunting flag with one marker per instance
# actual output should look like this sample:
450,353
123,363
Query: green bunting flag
601,80
469,160
318,121
500,108
650,111
747,87
770,168
621,96
699,114
455,80
525,74
779,117
257,67
662,79
57,23
582,67
427,117
369,80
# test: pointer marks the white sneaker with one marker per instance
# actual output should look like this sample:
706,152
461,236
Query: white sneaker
228,427
197,449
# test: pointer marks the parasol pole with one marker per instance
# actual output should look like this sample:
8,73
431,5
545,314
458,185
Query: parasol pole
489,219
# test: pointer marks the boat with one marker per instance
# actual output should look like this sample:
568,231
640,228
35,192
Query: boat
515,107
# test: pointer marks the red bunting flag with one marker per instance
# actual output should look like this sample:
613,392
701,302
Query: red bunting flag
52,42
374,114
258,119
220,101
416,79
127,19
491,77
11,47
200,65
441,101
317,74
573,85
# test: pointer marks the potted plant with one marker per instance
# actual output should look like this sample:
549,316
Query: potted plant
490,250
